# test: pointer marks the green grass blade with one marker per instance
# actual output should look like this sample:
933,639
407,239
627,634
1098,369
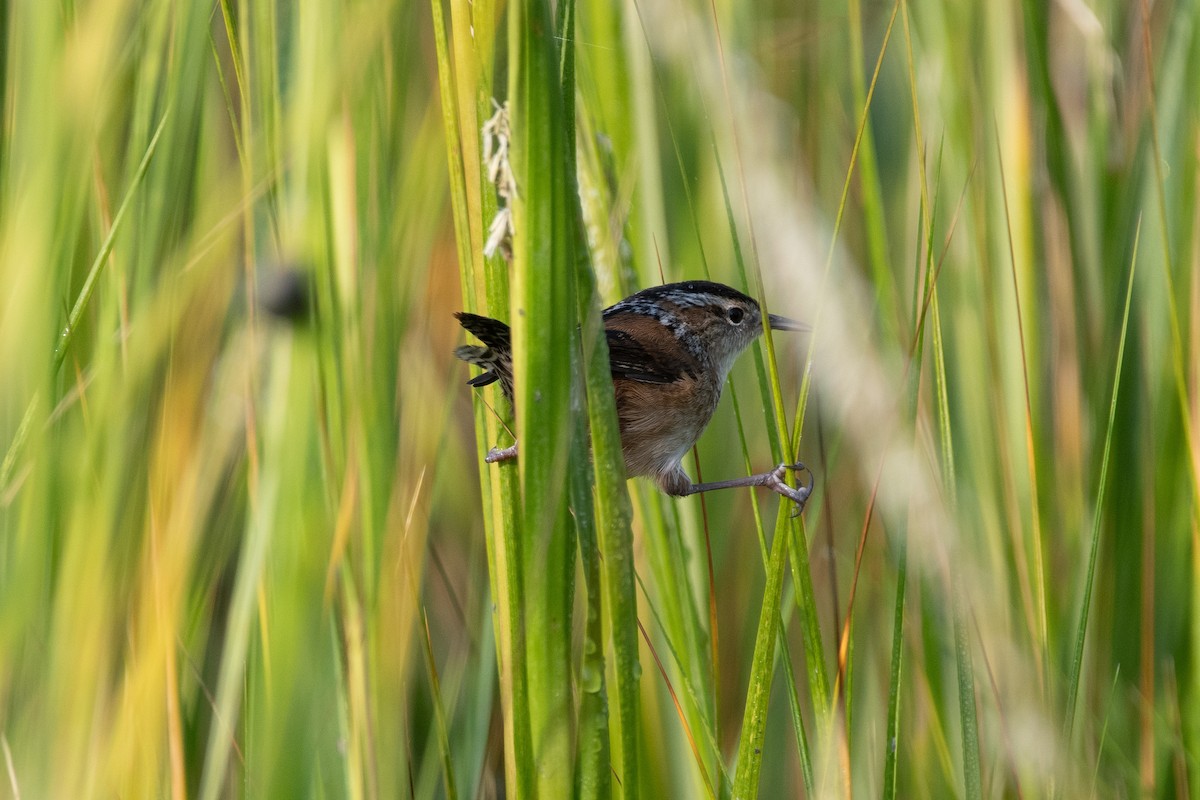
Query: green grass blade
89,283
255,547
458,181
615,541
472,203
594,751
892,744
1076,668
793,693
593,771
614,534
972,772
544,323
754,725
754,721
439,716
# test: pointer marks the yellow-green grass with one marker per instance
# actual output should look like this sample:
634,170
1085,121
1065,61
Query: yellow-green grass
243,556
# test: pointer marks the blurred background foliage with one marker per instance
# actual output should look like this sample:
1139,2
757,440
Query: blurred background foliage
242,555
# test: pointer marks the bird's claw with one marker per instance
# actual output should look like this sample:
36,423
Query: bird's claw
800,494
498,454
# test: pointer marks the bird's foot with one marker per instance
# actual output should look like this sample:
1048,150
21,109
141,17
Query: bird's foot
498,454
777,481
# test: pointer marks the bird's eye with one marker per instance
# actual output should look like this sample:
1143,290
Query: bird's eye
736,315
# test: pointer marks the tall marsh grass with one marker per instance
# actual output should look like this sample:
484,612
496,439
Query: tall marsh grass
250,556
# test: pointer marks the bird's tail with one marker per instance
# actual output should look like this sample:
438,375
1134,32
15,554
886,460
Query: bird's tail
495,358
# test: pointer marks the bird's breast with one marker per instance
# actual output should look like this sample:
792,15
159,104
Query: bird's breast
661,422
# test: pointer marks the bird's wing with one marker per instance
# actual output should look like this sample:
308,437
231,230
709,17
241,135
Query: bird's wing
630,360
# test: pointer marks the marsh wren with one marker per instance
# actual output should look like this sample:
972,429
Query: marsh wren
670,349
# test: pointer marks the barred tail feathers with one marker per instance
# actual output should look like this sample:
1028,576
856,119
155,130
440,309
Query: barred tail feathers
495,358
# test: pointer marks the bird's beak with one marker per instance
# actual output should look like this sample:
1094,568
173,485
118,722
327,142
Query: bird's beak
779,323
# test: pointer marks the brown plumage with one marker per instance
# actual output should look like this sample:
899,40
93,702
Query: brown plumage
670,349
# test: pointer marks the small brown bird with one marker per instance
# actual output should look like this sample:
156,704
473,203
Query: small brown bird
670,349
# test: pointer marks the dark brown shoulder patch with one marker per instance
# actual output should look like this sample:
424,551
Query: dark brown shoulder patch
630,360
